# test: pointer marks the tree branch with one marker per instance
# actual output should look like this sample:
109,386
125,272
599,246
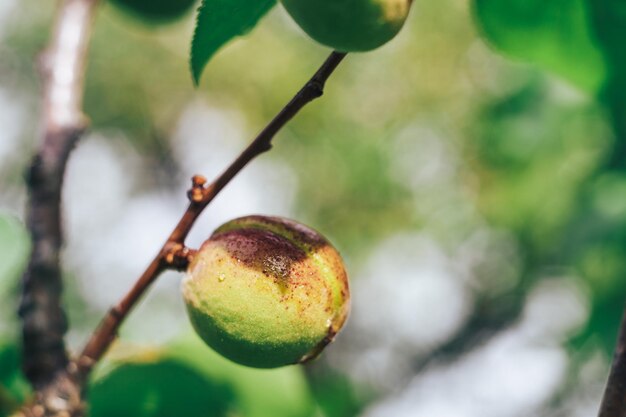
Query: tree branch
173,254
62,68
614,400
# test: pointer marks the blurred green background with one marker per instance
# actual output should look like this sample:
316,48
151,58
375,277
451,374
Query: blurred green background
471,172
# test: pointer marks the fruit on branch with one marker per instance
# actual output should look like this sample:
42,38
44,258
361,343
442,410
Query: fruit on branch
156,10
349,25
266,292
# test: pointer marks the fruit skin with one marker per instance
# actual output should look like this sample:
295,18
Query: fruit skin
349,25
266,292
156,10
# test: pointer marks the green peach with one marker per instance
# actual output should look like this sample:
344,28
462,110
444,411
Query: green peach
349,25
266,292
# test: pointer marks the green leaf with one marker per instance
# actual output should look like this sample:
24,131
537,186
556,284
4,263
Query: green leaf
336,394
14,388
609,18
155,11
181,378
218,22
557,35
163,388
280,392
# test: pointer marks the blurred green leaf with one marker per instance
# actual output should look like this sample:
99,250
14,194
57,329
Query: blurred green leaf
555,34
155,11
280,392
14,388
530,147
609,195
609,19
218,22
335,393
596,246
163,388
14,247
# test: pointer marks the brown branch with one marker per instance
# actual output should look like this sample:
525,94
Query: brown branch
44,323
173,254
62,68
614,400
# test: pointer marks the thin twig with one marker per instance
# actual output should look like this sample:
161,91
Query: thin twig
173,254
614,400
62,67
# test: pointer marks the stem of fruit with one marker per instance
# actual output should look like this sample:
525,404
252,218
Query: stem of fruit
614,400
172,255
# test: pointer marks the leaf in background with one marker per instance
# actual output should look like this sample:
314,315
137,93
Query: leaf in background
14,388
609,18
218,22
163,388
280,392
155,11
14,247
554,34
336,394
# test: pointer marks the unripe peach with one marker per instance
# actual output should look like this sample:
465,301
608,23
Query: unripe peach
266,292
350,25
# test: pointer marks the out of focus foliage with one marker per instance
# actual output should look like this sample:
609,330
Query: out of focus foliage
580,40
479,202
188,377
14,388
156,11
162,388
557,35
14,250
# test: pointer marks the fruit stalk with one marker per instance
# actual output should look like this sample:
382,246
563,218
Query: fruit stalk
200,196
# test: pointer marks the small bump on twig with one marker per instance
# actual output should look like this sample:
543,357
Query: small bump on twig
177,256
197,190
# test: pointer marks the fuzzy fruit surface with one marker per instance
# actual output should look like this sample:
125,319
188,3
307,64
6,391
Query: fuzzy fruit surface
266,292
349,25
156,10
